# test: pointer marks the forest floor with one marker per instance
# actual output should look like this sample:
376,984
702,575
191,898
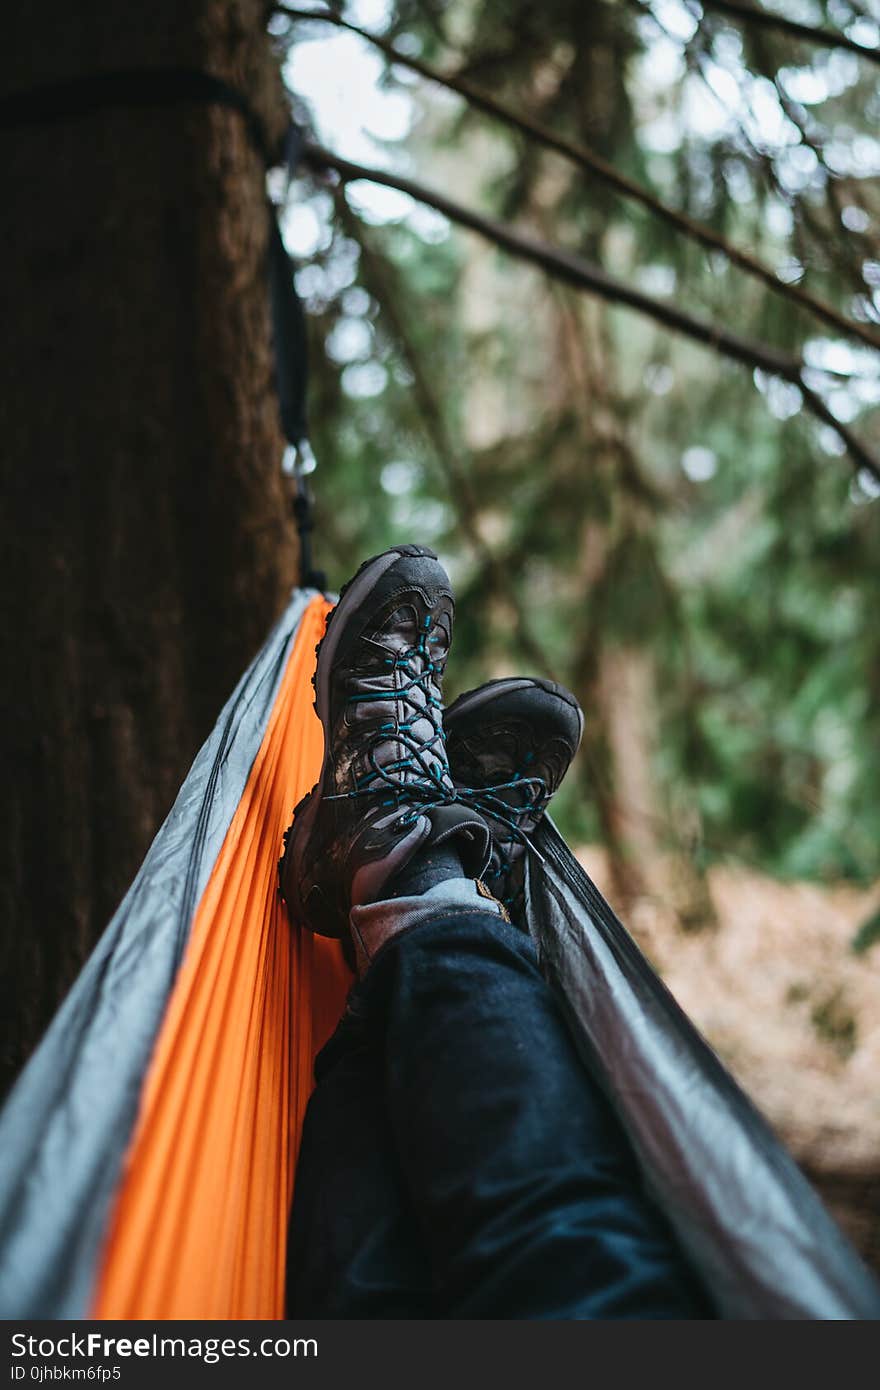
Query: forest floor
794,1012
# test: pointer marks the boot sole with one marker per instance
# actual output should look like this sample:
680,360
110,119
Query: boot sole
492,690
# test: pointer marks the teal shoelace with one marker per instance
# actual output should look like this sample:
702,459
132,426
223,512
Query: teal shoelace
429,784
490,802
423,758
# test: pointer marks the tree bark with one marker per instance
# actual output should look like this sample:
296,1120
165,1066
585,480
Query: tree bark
145,538
647,857
615,673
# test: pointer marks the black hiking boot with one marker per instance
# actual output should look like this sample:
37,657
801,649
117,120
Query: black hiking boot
385,792
511,743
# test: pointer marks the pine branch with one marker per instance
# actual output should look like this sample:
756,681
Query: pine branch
583,275
802,208
826,38
585,159
379,278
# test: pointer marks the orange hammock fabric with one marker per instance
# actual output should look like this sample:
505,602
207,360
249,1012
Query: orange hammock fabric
200,1222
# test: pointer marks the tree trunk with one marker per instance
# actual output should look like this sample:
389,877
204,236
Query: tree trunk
650,859
615,670
145,537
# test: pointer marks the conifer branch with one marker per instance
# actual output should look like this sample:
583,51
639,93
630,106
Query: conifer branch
583,275
587,160
807,33
379,279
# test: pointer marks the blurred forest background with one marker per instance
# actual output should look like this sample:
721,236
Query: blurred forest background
651,463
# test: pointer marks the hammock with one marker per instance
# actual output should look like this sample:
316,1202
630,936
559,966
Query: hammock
148,1149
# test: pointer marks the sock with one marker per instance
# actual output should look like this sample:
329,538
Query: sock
434,864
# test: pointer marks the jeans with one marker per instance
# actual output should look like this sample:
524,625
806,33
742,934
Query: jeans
457,1159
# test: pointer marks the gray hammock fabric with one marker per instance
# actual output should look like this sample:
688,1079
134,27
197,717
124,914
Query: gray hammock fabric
751,1224
66,1125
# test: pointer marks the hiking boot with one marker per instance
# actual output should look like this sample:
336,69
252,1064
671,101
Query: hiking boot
511,743
385,792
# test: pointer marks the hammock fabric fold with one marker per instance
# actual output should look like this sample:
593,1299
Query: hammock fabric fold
229,1076
147,1153
148,1148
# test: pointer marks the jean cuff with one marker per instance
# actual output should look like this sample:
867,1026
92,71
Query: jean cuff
374,924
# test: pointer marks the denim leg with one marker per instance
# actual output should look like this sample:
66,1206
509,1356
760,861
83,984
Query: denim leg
353,1244
526,1193
354,1249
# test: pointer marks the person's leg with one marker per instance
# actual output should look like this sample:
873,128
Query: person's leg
353,1245
383,798
457,1159
527,1194
527,1199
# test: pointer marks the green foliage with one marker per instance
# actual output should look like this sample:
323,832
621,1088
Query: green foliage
867,935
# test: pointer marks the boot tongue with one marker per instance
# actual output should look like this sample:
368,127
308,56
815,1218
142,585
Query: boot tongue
418,652
468,831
